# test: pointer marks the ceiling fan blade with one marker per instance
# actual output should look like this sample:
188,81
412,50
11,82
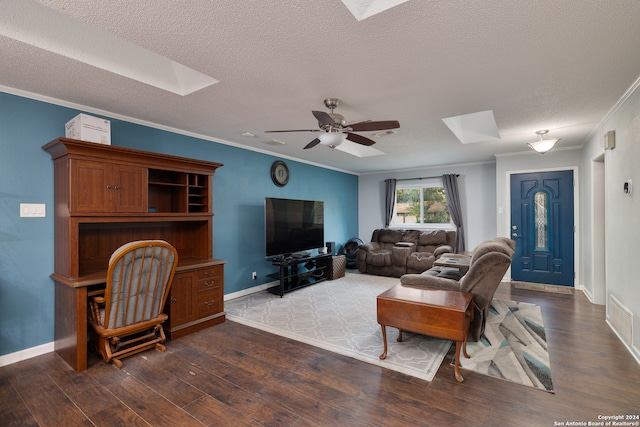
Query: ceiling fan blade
312,144
359,139
371,126
324,118
296,130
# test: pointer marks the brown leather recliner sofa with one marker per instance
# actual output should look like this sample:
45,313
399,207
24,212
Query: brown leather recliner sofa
488,265
397,252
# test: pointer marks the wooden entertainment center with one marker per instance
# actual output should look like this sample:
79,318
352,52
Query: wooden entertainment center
106,196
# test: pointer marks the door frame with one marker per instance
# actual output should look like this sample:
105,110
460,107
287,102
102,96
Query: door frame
576,213
598,267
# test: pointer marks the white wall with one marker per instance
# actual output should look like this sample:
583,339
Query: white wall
476,184
622,226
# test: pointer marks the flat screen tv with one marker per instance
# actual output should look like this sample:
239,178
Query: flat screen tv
293,226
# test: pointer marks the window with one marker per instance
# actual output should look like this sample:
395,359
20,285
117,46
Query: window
421,203
541,221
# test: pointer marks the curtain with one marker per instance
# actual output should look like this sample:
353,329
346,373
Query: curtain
390,200
450,184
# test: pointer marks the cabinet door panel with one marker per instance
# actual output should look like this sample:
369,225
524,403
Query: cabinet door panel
129,189
89,187
181,299
104,188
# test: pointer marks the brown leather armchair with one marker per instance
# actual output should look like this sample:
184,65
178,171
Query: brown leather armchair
489,262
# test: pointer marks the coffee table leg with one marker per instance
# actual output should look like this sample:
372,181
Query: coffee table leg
399,335
384,340
464,349
456,370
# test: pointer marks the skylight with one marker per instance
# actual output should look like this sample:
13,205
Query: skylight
45,28
358,150
474,127
362,9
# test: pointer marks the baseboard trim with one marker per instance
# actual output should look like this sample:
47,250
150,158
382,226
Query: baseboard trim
250,291
28,353
25,354
630,348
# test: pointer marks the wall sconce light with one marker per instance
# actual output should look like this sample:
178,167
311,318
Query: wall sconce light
542,145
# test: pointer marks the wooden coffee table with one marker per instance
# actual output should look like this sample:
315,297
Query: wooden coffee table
435,312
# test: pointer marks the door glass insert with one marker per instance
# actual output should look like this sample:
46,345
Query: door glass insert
541,219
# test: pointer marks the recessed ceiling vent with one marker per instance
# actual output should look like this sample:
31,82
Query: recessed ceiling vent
274,142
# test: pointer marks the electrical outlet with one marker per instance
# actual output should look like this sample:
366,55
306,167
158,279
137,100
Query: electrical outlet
254,276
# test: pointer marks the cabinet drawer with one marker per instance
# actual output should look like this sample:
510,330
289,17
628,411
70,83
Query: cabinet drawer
209,284
209,302
214,272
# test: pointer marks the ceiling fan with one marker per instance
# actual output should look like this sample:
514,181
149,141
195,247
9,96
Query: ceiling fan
335,129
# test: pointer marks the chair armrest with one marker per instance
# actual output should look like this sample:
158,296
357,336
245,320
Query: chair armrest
429,281
444,249
373,246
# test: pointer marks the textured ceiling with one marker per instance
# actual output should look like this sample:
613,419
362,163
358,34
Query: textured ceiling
557,64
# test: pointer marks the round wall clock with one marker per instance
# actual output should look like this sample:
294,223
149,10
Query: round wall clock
279,173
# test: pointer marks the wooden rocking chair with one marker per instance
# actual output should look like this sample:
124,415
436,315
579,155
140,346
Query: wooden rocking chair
128,318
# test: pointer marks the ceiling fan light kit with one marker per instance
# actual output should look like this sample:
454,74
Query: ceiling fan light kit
334,129
332,139
542,145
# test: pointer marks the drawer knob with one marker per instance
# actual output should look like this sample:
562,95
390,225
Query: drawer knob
174,301
210,284
209,303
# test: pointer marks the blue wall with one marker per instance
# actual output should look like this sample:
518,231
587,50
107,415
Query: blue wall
240,186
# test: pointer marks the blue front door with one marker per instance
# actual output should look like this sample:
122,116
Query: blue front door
542,225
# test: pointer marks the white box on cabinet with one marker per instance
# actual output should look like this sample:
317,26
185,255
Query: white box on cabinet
89,128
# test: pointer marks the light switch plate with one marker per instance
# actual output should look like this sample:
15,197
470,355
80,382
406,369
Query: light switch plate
33,210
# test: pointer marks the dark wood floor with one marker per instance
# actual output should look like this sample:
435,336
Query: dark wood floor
233,375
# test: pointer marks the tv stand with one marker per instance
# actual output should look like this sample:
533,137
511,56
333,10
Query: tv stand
300,255
296,273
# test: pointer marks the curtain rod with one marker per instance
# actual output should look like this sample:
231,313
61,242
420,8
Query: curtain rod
422,177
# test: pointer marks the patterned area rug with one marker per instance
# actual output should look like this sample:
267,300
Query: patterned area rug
514,346
340,316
